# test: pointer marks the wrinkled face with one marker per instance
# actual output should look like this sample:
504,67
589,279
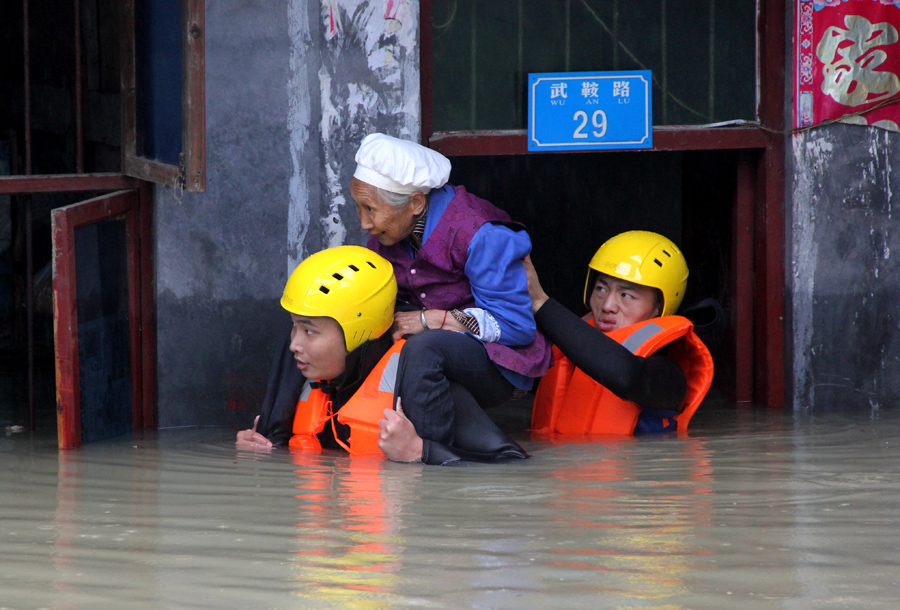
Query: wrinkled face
318,347
616,303
389,224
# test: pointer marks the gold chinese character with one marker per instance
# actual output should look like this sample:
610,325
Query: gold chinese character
850,57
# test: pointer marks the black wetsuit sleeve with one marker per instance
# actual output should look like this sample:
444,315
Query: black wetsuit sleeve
276,418
710,322
656,381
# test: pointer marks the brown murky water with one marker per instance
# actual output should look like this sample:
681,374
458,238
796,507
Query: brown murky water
757,510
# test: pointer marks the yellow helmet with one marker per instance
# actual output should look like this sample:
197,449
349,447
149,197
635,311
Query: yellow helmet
644,258
353,285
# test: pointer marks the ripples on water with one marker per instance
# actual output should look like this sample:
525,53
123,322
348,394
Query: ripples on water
761,512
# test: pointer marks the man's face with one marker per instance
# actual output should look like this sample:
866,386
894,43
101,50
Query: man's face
389,224
318,346
616,303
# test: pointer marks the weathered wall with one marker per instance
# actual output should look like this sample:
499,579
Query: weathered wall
292,87
844,272
364,78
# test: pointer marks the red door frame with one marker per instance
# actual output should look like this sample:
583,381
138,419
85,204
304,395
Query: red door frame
134,205
758,250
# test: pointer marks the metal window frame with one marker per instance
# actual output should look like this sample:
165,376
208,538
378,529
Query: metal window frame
758,225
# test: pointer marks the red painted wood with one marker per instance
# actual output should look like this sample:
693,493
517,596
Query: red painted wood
772,57
742,277
65,328
65,183
132,262
515,142
65,221
771,386
148,308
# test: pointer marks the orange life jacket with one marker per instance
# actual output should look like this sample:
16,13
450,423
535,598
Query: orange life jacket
362,412
568,401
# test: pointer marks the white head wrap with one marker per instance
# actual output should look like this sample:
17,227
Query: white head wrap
400,166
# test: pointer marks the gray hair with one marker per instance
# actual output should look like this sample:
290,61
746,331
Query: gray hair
398,200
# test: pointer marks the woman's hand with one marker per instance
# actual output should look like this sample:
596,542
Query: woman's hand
410,322
251,439
537,294
397,437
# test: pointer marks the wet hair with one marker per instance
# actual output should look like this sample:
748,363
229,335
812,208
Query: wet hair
397,200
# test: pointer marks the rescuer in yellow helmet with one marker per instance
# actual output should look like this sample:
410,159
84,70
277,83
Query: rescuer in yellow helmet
341,302
646,370
336,387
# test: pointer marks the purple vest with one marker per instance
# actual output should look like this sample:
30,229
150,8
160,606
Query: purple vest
436,278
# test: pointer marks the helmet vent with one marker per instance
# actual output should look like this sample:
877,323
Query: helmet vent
666,253
354,267
657,261
323,289
337,276
371,265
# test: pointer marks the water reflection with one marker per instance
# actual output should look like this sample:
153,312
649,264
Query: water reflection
773,513
637,547
349,547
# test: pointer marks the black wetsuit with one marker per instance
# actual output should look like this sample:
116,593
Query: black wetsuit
656,382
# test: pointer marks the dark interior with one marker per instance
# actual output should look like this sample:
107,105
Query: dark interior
572,203
25,228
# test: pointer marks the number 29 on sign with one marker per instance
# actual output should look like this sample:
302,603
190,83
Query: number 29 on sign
598,120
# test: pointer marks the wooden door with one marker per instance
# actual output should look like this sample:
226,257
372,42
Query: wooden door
103,317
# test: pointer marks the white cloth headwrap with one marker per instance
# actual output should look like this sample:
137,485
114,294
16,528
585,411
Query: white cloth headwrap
400,166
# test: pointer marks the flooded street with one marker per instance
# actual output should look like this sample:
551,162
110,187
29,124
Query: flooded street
757,509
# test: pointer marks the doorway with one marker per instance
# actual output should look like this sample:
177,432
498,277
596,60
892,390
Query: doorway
572,203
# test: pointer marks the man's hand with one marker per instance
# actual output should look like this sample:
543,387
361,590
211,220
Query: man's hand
537,294
406,323
251,439
397,437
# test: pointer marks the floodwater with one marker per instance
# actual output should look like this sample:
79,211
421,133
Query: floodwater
757,509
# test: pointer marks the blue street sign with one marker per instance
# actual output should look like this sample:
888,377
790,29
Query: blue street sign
590,110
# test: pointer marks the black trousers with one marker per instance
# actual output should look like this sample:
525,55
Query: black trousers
445,380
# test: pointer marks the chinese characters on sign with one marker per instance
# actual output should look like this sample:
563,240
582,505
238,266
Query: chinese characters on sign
847,60
589,110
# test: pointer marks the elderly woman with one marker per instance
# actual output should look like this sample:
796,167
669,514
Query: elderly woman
472,340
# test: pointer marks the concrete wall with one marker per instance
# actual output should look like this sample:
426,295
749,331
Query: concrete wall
292,87
843,280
